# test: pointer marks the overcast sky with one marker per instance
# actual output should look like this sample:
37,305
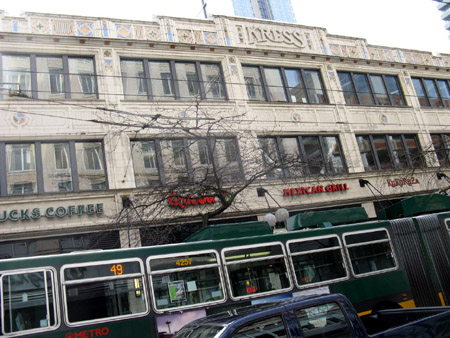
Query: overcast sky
412,24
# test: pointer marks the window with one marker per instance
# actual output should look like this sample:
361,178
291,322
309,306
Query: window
384,152
211,76
133,79
317,261
441,144
90,163
325,320
370,252
28,302
55,77
102,291
371,89
186,160
56,167
302,155
186,281
146,170
21,169
161,80
270,327
432,92
284,85
256,270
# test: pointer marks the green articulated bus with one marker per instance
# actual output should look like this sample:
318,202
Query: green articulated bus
401,260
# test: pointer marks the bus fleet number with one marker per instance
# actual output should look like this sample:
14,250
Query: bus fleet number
117,269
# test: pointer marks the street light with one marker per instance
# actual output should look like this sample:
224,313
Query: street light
280,215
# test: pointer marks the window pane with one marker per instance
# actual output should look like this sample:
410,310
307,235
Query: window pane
291,157
394,91
414,151
366,153
212,81
90,162
444,91
347,88
28,302
325,320
313,85
21,169
432,93
270,327
323,263
228,158
295,86
133,79
398,151
253,84
50,77
441,149
187,288
17,73
420,92
379,90
82,78
314,155
370,252
188,81
333,154
380,144
271,157
173,153
56,167
162,80
105,299
363,89
145,163
275,85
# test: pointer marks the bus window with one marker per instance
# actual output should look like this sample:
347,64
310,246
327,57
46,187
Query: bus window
370,252
447,223
28,300
186,281
317,260
256,270
100,291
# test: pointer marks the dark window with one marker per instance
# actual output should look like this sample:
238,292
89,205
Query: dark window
432,92
384,152
371,89
302,155
270,327
441,144
284,85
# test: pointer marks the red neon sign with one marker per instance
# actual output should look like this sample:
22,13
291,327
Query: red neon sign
99,332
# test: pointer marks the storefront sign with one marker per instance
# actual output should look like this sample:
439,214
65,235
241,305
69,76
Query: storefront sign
267,35
183,202
50,212
315,189
400,182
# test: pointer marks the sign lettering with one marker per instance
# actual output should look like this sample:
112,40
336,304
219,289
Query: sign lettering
400,182
264,35
317,189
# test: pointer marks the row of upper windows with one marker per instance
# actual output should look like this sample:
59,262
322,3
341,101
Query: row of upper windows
48,167
71,77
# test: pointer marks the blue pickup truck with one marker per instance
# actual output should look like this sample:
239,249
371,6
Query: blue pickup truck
319,316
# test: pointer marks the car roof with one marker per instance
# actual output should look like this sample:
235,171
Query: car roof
257,310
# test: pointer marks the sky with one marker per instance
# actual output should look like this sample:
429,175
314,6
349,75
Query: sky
410,24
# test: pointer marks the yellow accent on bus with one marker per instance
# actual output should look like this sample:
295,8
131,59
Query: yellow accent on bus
441,297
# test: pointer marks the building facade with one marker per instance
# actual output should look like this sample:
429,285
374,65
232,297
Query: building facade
97,113
277,10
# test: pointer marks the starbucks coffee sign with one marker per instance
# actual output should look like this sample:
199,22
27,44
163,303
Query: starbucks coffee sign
50,212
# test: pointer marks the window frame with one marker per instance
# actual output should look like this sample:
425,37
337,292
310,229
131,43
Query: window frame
265,87
390,151
198,267
421,81
65,75
349,257
226,264
64,283
306,169
341,250
172,83
56,300
371,87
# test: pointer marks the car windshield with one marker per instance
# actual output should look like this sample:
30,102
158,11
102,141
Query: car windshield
198,332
